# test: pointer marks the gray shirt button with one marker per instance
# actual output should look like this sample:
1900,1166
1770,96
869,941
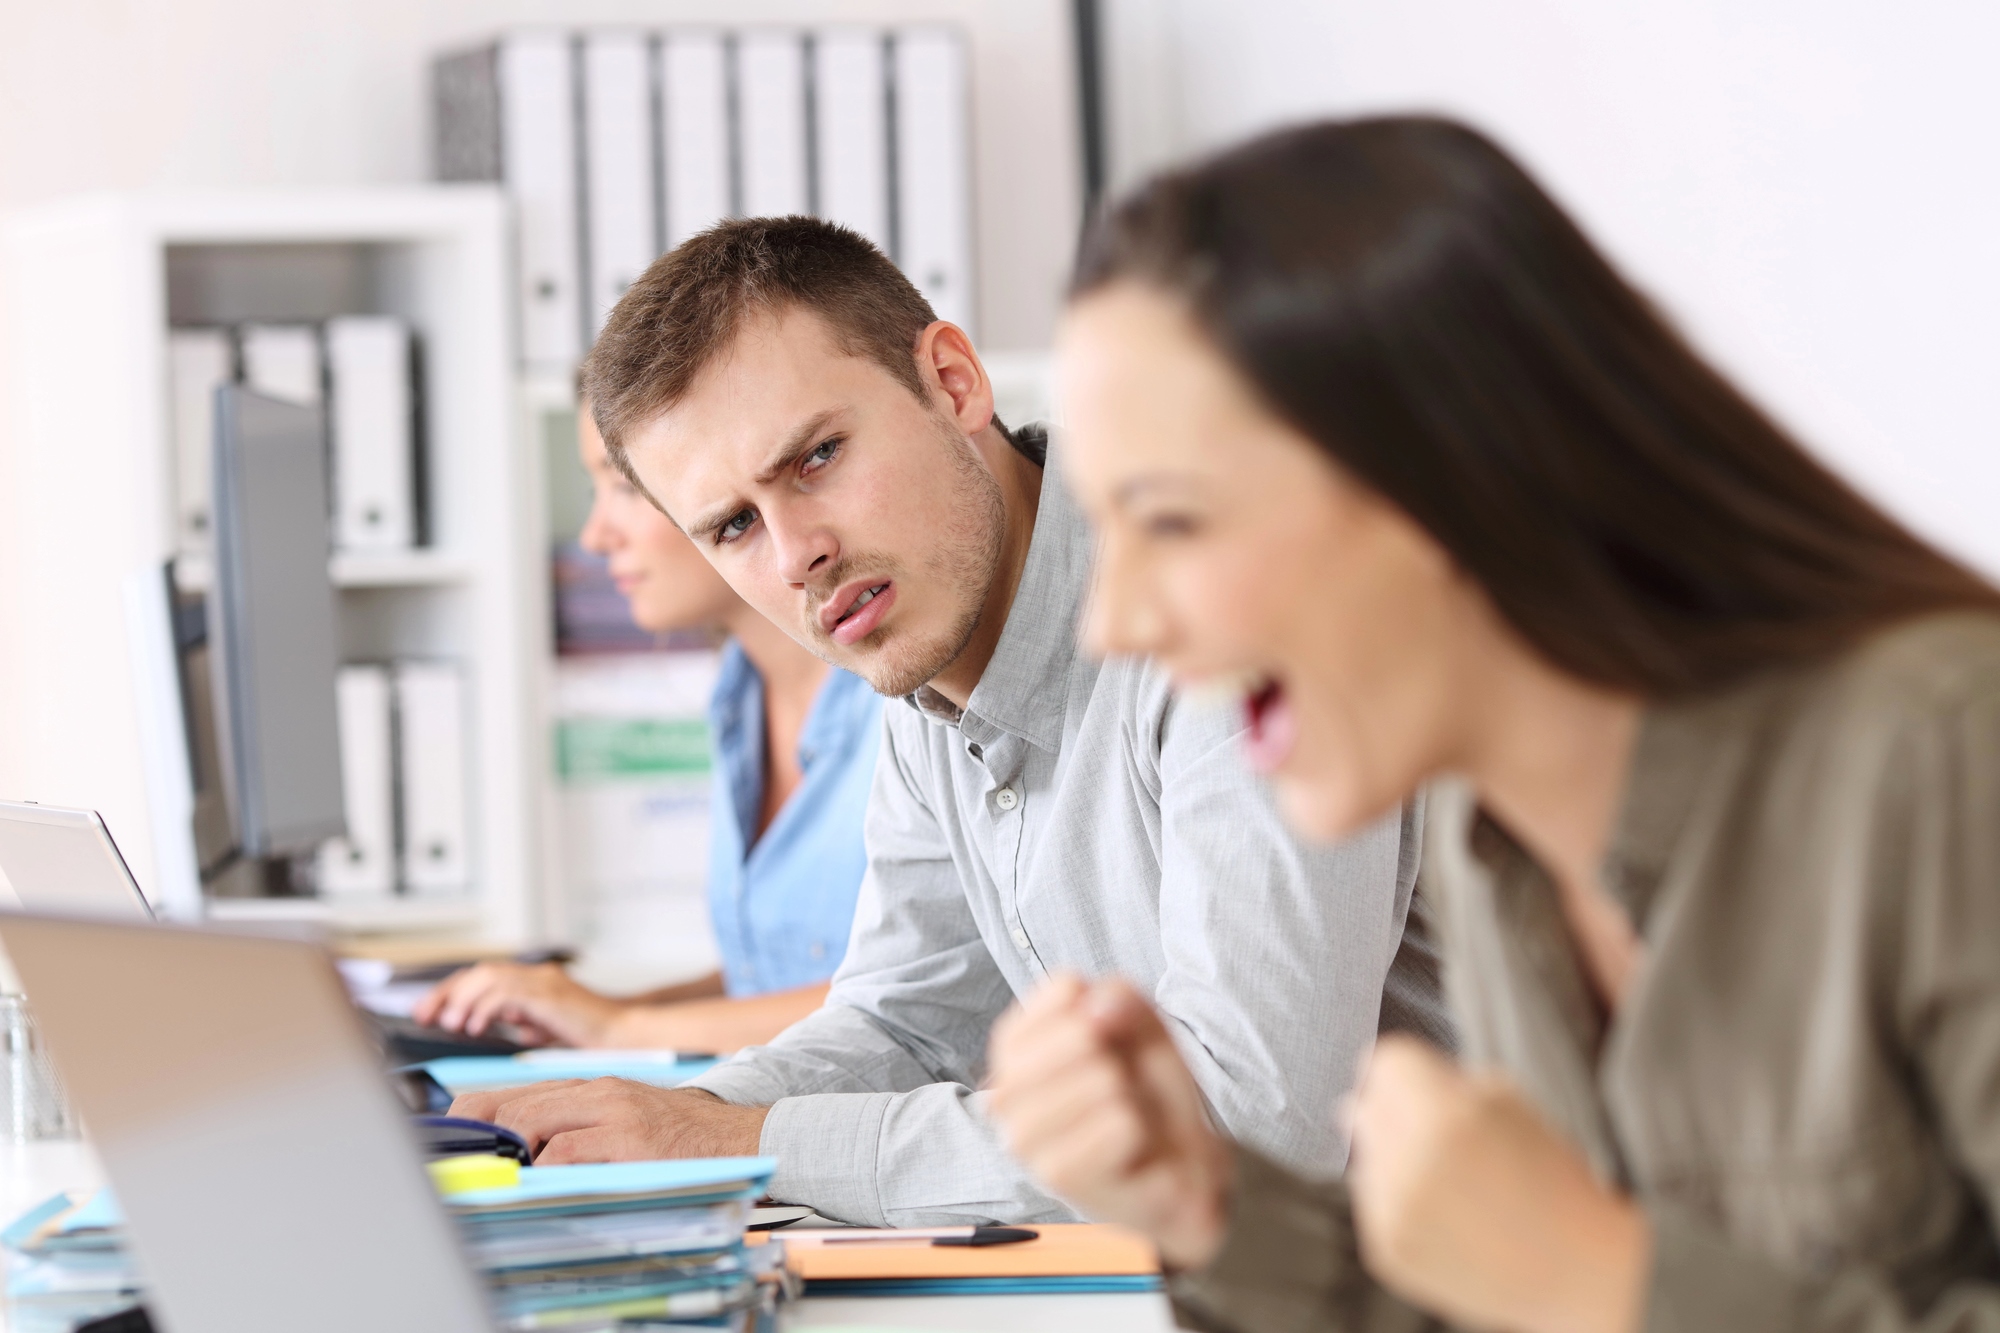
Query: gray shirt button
1020,938
1006,799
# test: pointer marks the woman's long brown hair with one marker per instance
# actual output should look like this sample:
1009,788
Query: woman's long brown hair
1406,295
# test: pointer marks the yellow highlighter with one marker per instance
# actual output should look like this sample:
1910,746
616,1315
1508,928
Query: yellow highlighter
475,1171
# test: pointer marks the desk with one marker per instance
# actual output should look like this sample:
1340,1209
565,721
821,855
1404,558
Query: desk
30,1173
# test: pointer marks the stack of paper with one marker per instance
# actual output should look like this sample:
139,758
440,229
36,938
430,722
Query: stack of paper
569,1247
588,1246
67,1264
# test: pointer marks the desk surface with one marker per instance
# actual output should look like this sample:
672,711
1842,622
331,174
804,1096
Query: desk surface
30,1173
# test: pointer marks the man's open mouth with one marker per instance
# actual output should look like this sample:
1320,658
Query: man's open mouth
867,595
857,610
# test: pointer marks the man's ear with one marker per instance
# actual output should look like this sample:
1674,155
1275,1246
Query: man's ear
957,380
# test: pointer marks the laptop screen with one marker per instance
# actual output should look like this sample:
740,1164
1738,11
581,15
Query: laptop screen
64,861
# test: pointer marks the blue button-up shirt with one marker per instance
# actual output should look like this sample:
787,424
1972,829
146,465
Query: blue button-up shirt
782,911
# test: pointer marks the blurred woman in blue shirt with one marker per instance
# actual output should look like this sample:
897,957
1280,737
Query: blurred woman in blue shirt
794,747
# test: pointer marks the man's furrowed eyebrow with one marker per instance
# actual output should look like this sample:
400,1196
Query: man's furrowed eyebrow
802,441
712,520
797,445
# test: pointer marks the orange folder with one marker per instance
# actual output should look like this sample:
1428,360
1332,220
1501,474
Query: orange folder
1073,1249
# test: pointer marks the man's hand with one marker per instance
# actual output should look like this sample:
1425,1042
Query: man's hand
541,999
1470,1206
617,1120
1091,1095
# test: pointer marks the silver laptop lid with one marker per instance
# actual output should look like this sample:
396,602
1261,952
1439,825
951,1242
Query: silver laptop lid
267,1175
65,861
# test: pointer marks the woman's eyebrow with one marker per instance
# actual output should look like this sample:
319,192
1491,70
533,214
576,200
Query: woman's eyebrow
1137,488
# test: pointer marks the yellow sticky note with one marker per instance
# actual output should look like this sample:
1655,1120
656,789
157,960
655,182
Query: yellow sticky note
475,1171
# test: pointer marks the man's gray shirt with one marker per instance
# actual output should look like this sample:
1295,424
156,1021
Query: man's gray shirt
1075,816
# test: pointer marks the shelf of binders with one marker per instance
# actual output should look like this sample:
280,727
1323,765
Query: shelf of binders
617,144
97,290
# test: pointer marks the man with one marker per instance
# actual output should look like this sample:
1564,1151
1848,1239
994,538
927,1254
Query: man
786,396
793,741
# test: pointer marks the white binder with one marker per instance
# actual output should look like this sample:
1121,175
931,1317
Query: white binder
538,152
372,423
198,362
283,361
934,223
431,759
771,122
851,130
694,132
363,864
618,159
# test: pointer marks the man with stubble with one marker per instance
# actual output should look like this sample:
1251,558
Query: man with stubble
781,391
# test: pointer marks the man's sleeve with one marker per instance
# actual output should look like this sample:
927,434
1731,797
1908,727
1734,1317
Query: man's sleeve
873,1115
1276,950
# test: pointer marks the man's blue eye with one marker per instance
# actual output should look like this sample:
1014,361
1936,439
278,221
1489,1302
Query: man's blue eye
824,453
739,525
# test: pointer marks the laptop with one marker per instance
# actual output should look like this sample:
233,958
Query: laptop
65,862
269,1181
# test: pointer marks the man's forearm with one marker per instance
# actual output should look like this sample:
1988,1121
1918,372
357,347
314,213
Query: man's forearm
727,1131
617,1120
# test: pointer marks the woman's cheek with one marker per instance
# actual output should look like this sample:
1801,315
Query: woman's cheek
1312,810
1327,793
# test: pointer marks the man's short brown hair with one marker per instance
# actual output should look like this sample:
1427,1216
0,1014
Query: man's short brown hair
687,309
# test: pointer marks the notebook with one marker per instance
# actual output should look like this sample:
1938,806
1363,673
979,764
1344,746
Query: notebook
1068,1257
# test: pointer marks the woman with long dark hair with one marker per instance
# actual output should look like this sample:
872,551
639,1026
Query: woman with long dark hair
1375,437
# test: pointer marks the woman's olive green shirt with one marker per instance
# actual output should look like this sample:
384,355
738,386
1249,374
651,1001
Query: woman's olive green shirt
1803,1087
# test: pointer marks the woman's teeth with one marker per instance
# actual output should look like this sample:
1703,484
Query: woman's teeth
1230,689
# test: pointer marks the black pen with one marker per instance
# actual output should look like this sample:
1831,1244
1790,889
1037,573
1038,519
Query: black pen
957,1236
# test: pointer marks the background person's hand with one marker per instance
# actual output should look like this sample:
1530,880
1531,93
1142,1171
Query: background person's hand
1090,1093
1469,1205
540,999
617,1120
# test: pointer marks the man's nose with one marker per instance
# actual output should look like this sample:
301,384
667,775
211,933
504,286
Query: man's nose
806,549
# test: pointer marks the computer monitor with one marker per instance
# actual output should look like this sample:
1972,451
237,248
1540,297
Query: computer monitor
65,861
273,634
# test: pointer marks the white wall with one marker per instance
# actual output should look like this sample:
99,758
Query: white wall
1811,186
121,94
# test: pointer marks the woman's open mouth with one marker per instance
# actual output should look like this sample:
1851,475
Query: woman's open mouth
1273,728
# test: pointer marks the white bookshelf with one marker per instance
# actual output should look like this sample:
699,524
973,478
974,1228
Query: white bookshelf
92,285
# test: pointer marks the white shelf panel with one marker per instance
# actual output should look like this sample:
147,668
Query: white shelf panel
397,569
355,917
420,568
